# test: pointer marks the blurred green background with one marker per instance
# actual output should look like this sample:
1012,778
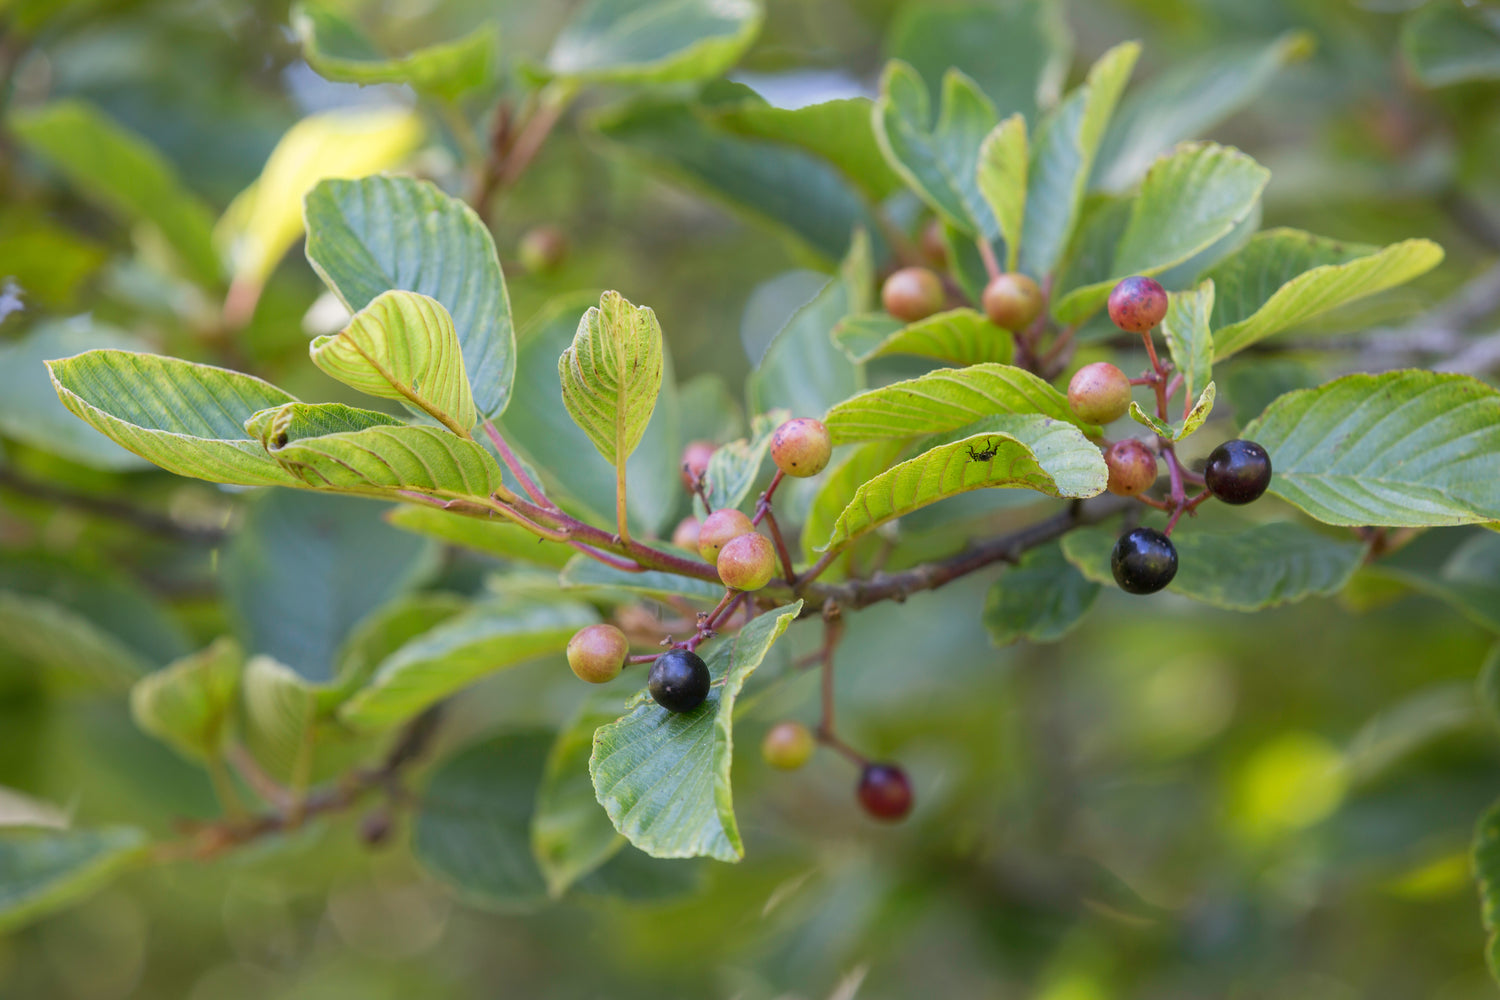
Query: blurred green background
1183,803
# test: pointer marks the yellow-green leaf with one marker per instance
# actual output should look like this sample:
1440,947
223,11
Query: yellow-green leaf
189,704
612,373
337,49
1002,180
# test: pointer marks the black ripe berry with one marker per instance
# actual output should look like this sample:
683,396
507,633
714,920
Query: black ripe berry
679,680
1238,471
1144,561
884,791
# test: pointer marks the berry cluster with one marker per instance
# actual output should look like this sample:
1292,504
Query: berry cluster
1144,559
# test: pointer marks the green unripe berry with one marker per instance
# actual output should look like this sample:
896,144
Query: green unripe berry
747,562
801,447
912,293
597,653
1099,393
718,528
788,745
1132,467
1012,301
542,249
1137,304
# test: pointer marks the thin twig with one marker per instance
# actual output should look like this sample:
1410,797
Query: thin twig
145,520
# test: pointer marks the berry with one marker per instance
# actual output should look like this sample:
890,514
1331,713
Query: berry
788,745
747,562
1012,301
1144,561
375,826
884,791
934,247
1238,471
678,680
801,447
597,653
718,528
694,461
1137,304
542,249
912,293
1132,467
1099,393
685,535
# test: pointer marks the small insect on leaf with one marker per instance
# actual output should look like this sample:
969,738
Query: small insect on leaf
990,448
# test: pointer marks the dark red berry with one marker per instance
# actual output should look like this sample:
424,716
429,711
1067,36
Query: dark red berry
694,461
1144,561
679,680
1011,301
1132,467
1238,471
1137,304
912,293
375,826
884,791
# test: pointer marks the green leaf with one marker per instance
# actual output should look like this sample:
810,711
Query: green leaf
946,400
1017,52
958,337
803,371
383,632
189,704
539,427
1003,162
44,870
1260,567
380,460
487,638
584,573
66,645
611,375
937,160
278,719
571,835
1176,432
498,538
30,410
663,777
304,569
1488,686
1042,599
367,236
191,422
1487,871
653,41
1469,579
734,467
338,50
282,425
1189,200
1186,100
1283,277
838,489
1448,42
1029,452
1062,157
837,131
762,179
126,175
1404,448
403,346
1188,336
473,831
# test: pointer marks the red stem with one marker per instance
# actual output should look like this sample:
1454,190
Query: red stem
516,468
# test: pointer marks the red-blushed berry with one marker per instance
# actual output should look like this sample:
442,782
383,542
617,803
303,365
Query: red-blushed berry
912,293
1099,393
679,680
694,461
788,745
1238,471
934,247
1012,301
747,562
1144,561
597,653
685,535
1132,467
884,791
1137,304
801,447
718,528
542,249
